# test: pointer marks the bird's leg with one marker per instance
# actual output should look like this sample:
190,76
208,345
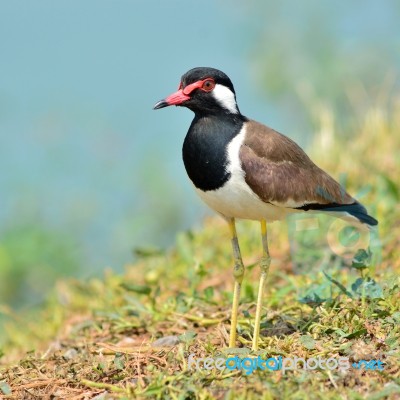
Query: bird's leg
238,273
265,262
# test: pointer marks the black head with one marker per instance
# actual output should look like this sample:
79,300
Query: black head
205,91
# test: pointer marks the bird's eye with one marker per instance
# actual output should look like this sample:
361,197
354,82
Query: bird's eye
208,85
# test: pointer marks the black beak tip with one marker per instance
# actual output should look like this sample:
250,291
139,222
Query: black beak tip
160,104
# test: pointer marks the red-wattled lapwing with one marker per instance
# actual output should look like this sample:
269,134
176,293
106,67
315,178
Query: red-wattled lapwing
243,169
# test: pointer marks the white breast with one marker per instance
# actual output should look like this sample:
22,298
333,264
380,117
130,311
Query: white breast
236,199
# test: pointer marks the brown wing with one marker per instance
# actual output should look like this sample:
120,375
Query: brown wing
279,172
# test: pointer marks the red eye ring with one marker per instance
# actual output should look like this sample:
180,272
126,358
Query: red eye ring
208,85
205,85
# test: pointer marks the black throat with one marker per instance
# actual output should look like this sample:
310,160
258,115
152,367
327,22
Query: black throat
205,148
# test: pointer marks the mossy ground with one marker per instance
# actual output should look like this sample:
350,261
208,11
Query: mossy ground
94,337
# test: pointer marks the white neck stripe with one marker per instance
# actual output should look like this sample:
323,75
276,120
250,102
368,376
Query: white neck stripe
225,98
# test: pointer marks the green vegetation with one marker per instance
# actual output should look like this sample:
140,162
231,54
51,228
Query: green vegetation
32,257
94,337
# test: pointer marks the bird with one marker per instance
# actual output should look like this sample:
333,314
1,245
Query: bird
243,169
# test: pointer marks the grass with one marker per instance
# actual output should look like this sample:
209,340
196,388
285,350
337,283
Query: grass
130,335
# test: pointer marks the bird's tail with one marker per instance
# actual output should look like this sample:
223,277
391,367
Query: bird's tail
354,212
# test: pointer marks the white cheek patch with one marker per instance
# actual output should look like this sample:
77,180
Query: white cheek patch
225,98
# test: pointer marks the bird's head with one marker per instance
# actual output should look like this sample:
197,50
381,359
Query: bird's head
204,91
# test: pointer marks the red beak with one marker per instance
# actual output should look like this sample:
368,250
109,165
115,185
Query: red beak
175,99
182,95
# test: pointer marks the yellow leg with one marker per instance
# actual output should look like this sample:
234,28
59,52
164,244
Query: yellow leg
265,262
238,273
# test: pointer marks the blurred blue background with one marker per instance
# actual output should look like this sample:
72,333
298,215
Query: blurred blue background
88,171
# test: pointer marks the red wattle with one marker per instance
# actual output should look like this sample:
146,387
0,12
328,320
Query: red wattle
177,98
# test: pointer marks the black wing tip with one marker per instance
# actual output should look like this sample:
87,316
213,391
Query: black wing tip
356,210
366,219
